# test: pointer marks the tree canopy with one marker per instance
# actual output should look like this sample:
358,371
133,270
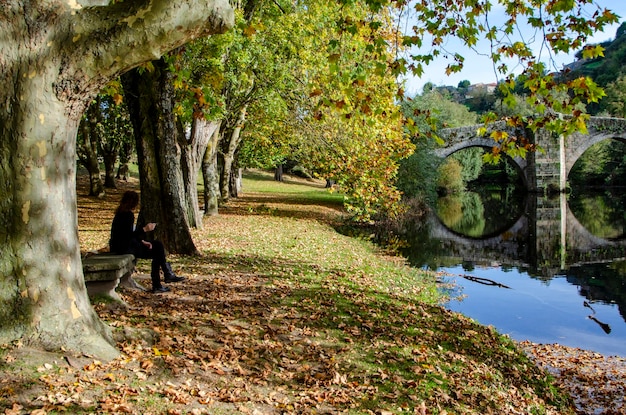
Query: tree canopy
560,26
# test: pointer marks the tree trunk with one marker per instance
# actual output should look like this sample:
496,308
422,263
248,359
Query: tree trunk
117,134
42,293
228,155
54,58
235,182
150,99
201,133
278,173
210,175
88,149
109,169
123,170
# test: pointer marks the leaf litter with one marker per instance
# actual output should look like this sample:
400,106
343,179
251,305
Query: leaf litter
271,322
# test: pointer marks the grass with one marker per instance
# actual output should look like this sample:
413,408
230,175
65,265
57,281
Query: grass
281,314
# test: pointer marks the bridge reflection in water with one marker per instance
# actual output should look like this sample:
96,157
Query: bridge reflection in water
546,239
549,244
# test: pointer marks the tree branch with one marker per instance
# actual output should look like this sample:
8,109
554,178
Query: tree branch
108,41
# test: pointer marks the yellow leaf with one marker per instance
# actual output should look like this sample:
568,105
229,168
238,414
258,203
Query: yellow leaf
499,135
158,352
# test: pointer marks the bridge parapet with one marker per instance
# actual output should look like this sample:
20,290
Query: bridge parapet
609,125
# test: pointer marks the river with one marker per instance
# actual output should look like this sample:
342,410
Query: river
548,270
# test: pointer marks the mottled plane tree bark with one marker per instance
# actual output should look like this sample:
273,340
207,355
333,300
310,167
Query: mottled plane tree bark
211,175
201,144
54,58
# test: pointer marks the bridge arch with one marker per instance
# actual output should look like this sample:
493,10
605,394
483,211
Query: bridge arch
457,139
599,129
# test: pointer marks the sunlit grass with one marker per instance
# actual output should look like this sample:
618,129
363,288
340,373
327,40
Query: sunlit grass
307,190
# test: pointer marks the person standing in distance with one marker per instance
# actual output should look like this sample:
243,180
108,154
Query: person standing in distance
126,238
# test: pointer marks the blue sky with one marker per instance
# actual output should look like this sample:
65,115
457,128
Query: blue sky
479,69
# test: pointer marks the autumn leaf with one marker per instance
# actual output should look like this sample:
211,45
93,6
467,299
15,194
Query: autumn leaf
591,52
499,136
118,99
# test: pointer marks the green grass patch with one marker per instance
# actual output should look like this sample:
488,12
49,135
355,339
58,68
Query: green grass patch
306,191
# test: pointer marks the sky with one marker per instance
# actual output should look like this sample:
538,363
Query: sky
479,69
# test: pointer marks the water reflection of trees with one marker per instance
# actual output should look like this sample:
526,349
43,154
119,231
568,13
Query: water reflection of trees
604,283
463,213
486,215
601,213
476,214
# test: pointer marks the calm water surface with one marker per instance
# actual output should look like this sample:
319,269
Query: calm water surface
555,311
548,271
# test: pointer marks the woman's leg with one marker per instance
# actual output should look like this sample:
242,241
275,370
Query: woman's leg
159,258
157,255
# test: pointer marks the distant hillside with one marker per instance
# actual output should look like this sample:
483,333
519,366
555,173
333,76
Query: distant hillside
480,98
608,68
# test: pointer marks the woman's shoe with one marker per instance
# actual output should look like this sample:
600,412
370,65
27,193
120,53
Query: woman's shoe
173,278
169,275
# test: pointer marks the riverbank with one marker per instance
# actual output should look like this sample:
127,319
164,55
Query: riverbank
282,315
597,383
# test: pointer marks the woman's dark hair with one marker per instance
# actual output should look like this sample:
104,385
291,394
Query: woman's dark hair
129,201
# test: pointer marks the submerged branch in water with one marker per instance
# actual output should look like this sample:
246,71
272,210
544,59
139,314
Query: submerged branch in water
484,281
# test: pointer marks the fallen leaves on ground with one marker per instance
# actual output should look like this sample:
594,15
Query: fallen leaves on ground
597,382
270,321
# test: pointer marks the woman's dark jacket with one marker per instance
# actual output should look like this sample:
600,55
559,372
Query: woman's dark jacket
125,238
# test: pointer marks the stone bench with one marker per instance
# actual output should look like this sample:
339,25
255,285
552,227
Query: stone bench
104,272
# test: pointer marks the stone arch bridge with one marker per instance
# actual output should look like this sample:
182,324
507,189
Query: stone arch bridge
540,170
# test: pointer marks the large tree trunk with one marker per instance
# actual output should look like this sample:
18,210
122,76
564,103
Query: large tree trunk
53,61
42,293
228,154
211,176
150,98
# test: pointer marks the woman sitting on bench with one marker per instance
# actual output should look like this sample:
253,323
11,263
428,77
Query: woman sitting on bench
128,239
